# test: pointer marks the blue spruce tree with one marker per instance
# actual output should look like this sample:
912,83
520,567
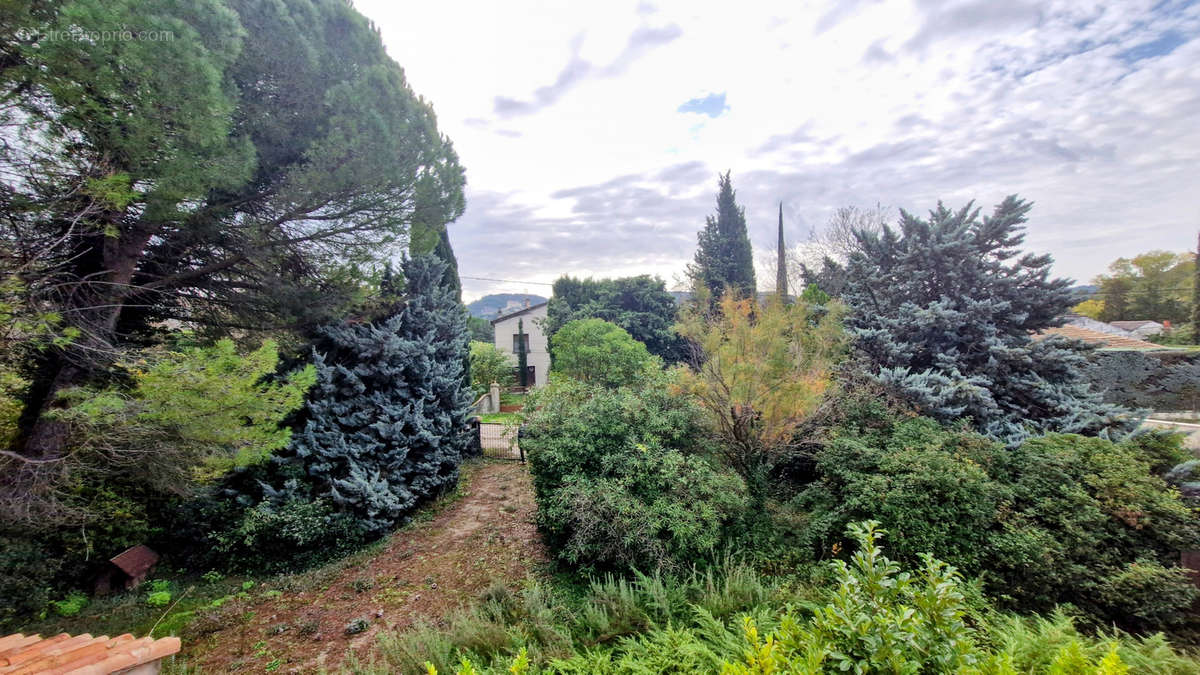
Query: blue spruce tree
944,311
387,420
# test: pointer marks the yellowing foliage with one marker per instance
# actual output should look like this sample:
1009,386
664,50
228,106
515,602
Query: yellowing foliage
764,370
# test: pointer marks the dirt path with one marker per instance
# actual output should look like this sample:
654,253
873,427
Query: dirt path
423,572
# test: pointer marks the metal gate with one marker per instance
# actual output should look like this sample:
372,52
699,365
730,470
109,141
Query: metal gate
499,441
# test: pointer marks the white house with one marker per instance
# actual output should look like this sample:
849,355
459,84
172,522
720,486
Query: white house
537,349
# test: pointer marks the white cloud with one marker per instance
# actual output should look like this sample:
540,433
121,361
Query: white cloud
849,103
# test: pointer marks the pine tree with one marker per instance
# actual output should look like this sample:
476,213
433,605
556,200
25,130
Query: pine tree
781,281
945,313
522,356
387,420
724,258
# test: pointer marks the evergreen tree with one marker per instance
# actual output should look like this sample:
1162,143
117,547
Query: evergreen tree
724,258
945,313
387,420
781,280
1196,294
446,254
522,356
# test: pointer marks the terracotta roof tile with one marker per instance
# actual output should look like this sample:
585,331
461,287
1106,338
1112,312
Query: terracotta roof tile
1104,340
83,654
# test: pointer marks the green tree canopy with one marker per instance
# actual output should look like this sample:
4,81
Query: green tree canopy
282,167
724,258
594,350
1155,286
490,364
641,305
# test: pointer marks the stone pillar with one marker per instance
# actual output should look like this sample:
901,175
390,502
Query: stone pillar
494,398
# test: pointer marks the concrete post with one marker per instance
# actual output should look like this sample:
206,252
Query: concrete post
494,398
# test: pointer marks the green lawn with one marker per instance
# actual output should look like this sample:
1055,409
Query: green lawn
501,418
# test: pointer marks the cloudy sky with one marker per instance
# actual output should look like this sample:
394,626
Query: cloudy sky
593,133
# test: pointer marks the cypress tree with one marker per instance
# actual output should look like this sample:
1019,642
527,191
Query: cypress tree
387,420
1196,296
446,254
944,312
724,258
781,281
522,357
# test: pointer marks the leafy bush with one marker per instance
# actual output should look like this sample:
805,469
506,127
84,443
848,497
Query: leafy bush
762,373
1149,596
488,365
594,350
71,605
159,599
190,414
26,581
879,618
613,485
641,305
1058,519
289,537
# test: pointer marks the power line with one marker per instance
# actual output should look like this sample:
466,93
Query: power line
507,281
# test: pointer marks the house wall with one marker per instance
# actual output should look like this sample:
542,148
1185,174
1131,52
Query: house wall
539,350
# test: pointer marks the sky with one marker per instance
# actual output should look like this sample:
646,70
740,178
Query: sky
593,133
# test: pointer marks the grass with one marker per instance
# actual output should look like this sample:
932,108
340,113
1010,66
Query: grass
501,418
509,398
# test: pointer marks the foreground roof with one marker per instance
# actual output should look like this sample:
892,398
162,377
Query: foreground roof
1095,337
523,310
83,654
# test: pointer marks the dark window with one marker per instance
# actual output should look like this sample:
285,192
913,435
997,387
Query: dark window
517,343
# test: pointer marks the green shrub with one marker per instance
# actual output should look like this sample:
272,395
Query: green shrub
288,537
615,490
1162,450
1149,596
1058,519
596,351
489,364
159,598
71,605
27,572
878,618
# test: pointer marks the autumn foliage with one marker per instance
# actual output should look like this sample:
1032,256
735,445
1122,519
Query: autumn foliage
760,372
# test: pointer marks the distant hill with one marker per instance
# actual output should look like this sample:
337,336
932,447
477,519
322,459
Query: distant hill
491,306
1083,292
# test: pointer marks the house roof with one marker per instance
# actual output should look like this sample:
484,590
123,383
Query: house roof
523,310
1103,340
135,560
80,655
1134,325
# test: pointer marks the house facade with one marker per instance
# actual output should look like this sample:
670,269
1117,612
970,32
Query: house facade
537,347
